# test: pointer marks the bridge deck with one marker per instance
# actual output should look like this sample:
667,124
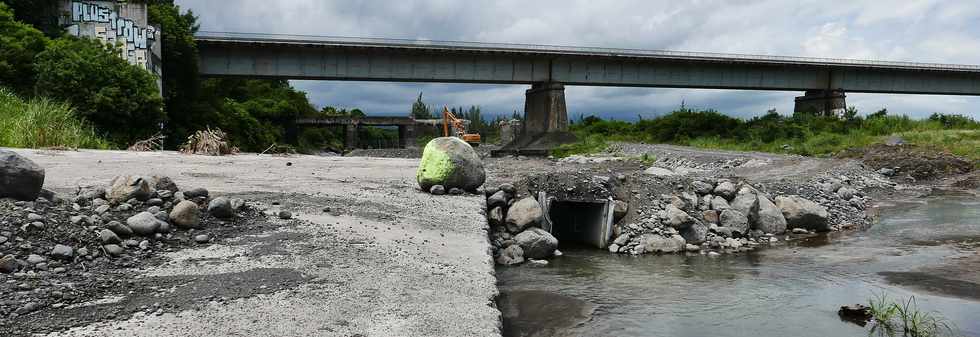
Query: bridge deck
394,60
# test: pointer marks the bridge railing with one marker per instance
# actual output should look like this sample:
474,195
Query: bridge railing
556,49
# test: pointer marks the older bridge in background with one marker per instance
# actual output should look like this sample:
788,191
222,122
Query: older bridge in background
548,68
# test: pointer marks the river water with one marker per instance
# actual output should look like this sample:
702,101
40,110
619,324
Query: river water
793,290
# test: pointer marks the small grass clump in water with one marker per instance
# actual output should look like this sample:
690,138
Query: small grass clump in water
43,123
905,318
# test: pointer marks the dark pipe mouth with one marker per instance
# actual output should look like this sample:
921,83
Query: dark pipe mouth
580,222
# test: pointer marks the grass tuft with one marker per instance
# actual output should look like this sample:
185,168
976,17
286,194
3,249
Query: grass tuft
588,144
904,317
43,123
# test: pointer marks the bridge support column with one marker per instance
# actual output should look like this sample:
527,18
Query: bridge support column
350,136
406,136
823,102
545,124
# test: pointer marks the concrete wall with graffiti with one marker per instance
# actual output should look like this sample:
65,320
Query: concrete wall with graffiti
117,23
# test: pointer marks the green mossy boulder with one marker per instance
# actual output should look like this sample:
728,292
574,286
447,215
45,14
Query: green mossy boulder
450,162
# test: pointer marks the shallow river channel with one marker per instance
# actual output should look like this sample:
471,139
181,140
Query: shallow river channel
793,290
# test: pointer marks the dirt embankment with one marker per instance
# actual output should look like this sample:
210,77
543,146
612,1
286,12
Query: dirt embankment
911,163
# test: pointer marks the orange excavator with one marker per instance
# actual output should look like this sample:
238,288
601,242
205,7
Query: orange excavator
448,117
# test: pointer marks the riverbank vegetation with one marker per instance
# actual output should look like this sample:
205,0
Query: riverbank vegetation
44,123
124,105
800,133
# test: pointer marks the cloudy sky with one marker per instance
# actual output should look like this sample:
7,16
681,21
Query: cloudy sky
945,31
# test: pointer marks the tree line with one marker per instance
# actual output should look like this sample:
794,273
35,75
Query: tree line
124,105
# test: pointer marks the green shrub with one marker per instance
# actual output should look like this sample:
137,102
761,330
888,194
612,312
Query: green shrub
588,145
19,44
121,99
41,123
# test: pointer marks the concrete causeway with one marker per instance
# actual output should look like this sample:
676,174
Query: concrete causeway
395,262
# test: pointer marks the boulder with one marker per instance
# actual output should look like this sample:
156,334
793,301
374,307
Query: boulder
710,217
9,264
622,239
704,203
109,237
655,243
725,189
186,214
803,213
90,195
536,243
163,184
220,207
523,214
496,216
659,172
769,218
735,220
450,162
620,208
143,224
511,255
20,178
695,234
164,225
237,204
62,252
677,218
119,228
35,259
437,190
123,188
195,193
719,204
702,188
498,199
509,188
745,201
846,193
113,250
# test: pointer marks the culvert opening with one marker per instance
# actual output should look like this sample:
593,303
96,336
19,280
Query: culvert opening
587,223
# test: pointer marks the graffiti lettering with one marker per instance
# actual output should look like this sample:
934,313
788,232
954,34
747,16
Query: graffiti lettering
116,30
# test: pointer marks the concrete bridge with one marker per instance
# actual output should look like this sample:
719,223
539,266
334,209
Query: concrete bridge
406,127
547,69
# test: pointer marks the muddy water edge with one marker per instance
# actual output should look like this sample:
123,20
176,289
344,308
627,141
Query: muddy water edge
924,247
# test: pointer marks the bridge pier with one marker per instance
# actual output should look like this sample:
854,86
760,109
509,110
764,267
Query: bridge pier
350,136
822,102
406,136
545,123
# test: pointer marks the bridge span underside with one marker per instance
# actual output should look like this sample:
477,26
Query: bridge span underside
548,68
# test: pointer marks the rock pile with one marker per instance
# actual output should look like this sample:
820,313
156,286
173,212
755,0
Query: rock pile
58,250
132,214
515,232
717,216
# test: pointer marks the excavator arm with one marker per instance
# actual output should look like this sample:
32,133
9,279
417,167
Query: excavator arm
448,117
